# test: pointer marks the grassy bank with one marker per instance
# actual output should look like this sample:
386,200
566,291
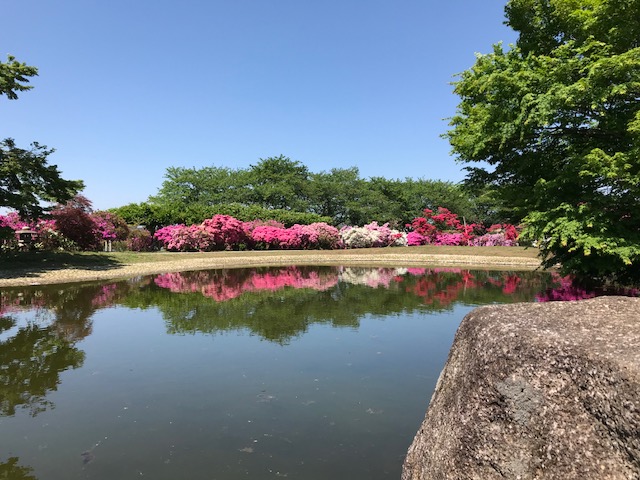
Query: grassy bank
46,267
49,260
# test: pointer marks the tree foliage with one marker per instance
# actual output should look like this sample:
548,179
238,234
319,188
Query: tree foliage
26,179
556,119
13,76
278,188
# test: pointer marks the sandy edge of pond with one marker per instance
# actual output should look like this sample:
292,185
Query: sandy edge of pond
186,262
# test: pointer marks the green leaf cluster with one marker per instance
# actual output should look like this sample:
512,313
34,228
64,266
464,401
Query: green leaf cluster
13,76
555,122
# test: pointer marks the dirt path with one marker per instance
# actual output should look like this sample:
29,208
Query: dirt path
186,262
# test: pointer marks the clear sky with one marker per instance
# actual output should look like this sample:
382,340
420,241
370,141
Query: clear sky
127,88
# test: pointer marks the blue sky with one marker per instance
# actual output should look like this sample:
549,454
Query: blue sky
129,88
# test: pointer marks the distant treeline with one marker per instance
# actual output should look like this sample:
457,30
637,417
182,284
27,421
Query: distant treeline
281,189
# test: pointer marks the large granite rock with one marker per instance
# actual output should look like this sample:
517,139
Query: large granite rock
537,391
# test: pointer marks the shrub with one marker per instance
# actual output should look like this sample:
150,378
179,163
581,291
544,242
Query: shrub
493,240
139,240
372,235
110,226
75,222
415,239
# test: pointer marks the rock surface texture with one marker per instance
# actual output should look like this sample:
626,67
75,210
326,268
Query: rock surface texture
537,391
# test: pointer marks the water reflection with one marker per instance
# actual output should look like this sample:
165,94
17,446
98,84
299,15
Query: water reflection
32,357
248,404
34,354
10,470
277,304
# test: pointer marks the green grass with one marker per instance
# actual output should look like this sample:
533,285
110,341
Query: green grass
42,261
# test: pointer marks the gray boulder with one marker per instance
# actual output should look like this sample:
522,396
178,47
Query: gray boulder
537,391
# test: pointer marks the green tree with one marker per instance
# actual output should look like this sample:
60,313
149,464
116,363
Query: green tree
556,118
13,76
206,186
279,182
333,193
25,178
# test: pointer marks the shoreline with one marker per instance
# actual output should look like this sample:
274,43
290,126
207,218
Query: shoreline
177,262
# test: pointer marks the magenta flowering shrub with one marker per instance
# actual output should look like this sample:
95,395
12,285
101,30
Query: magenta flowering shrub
415,239
47,237
180,238
13,221
450,239
267,236
109,226
307,237
222,232
166,235
226,231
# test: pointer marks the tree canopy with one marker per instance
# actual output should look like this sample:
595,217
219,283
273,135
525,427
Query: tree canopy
26,180
285,190
555,119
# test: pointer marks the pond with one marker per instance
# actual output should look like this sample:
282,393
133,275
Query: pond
298,372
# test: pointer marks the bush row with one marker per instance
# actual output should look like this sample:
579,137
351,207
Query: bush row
75,227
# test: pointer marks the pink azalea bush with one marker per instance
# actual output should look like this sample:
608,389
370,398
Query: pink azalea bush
221,232
47,236
13,221
308,237
449,238
415,239
109,226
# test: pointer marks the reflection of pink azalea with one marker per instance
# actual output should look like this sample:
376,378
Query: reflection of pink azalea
510,284
106,296
9,304
416,271
565,291
223,287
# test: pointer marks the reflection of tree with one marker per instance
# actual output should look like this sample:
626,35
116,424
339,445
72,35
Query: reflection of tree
30,365
279,304
10,470
32,359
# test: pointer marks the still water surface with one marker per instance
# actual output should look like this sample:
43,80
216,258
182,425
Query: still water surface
298,372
